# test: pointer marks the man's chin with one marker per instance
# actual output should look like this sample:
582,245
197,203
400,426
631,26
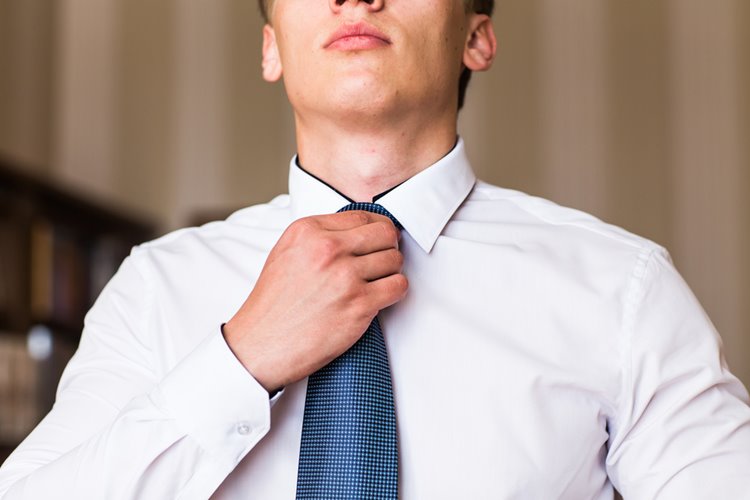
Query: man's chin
372,104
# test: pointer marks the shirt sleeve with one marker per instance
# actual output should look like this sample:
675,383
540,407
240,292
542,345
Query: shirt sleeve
117,430
683,428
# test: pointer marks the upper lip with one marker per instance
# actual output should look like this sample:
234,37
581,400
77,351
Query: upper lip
357,29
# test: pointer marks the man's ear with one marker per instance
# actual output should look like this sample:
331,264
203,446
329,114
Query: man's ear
272,69
481,45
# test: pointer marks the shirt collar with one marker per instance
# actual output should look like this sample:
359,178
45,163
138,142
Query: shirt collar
423,204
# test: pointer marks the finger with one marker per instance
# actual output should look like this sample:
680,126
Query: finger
387,291
373,237
378,265
343,221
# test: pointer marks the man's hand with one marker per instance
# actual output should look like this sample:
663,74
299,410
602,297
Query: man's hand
323,283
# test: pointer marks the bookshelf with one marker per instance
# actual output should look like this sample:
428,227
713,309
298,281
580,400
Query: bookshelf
57,251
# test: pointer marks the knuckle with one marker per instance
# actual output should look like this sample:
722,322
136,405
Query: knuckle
398,258
387,232
392,232
399,284
301,228
359,305
363,217
359,217
360,240
303,224
361,310
347,280
326,248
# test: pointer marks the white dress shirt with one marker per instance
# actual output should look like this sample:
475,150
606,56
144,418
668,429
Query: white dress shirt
539,354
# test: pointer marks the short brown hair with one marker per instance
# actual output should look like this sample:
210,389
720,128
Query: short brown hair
478,6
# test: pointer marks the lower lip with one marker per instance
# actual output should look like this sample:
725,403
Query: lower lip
359,42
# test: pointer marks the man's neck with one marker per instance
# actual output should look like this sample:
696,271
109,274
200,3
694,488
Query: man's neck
363,162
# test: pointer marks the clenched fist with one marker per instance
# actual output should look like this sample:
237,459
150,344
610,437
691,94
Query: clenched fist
323,283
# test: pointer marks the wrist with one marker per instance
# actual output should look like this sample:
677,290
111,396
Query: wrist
253,364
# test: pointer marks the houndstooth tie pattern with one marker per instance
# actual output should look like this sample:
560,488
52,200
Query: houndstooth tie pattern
349,447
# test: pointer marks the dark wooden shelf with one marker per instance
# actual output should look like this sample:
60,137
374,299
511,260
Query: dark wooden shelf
5,451
40,195
57,249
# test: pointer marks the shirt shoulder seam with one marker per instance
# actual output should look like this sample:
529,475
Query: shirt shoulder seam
634,294
137,254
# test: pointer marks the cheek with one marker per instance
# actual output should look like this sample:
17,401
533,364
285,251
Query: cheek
295,50
448,31
442,53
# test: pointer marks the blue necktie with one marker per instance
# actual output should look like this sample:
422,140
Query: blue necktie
349,446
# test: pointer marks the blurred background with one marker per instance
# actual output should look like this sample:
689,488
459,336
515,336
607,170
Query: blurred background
123,119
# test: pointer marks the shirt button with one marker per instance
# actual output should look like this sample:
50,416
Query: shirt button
243,428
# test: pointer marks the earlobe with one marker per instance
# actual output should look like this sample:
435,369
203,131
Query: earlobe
481,45
272,69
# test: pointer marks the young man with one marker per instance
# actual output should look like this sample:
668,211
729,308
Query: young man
534,352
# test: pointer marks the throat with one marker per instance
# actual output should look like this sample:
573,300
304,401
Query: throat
363,165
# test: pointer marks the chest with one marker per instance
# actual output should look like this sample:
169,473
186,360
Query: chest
502,372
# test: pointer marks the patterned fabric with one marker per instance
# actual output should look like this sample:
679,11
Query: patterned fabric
372,207
349,446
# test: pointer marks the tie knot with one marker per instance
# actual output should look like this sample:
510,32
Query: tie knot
375,208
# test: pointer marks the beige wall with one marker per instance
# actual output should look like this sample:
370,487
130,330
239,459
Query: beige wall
636,111
710,161
26,69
